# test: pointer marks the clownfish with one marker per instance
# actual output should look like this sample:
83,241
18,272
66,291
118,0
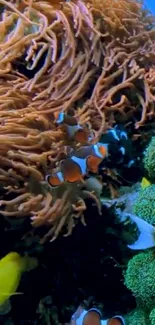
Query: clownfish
116,320
74,168
92,317
71,171
120,148
73,129
98,153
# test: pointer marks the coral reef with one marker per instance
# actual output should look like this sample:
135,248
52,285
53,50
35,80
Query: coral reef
137,316
89,60
152,317
139,278
144,205
85,267
149,159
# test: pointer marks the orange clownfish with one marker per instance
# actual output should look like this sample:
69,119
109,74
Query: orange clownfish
92,317
116,320
74,130
99,152
74,168
71,171
94,154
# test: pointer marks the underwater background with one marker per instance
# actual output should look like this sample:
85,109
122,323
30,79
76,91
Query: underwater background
151,6
77,162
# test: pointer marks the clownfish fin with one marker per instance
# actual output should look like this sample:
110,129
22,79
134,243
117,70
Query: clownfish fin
55,179
100,150
59,117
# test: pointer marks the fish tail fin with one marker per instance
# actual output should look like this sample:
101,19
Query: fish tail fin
146,238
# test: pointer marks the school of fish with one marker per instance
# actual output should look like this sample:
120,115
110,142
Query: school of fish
88,157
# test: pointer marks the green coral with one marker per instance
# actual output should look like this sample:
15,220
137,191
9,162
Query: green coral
137,317
140,278
144,206
149,158
152,317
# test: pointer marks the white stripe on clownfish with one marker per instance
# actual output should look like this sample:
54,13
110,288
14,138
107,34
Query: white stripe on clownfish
117,134
99,150
60,117
122,150
55,179
83,317
92,317
73,129
114,133
81,162
123,134
130,163
74,168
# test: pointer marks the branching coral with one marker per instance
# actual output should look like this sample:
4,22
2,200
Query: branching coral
149,158
144,206
92,60
139,278
137,316
152,316
108,43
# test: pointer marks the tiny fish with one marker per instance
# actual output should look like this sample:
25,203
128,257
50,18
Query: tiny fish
92,317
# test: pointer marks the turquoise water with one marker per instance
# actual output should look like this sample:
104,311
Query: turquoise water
151,5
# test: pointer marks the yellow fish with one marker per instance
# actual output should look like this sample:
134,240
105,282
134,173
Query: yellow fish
145,183
11,268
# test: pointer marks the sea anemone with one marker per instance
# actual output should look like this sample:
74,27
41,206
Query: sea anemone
149,158
144,206
93,60
139,278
